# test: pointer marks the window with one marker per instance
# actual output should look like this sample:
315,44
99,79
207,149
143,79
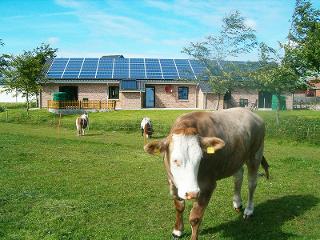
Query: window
183,93
243,102
113,92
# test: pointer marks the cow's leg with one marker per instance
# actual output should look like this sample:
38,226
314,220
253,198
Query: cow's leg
197,212
237,201
252,183
179,205
253,167
178,227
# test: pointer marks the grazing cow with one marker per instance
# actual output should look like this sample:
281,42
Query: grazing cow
82,123
203,147
146,127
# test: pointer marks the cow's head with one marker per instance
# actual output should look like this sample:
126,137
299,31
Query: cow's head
183,150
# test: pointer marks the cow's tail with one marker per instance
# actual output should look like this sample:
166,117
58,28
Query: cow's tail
265,166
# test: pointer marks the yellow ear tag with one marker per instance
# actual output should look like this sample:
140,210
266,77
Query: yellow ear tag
210,150
157,151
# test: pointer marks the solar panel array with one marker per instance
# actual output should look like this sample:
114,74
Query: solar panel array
125,68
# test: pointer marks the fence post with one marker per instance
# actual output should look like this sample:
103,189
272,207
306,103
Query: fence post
99,104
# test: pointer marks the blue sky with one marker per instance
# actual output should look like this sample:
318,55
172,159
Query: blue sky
134,28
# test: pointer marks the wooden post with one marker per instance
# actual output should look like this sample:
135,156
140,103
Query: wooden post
99,104
59,120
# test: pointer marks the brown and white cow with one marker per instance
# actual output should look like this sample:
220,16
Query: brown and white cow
146,127
82,123
203,147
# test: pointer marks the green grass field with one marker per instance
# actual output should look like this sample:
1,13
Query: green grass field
55,185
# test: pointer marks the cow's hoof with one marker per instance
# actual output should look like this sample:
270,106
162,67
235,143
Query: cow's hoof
248,213
175,237
238,209
176,234
247,217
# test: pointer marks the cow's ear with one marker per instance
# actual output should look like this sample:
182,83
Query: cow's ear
156,147
211,144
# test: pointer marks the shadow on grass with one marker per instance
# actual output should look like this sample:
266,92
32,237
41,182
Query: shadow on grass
268,220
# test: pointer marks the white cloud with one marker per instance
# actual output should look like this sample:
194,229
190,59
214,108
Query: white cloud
101,23
250,23
53,40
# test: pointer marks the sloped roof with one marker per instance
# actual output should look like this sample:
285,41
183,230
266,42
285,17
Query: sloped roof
120,68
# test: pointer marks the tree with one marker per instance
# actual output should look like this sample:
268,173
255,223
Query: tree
303,47
275,75
3,58
26,72
235,38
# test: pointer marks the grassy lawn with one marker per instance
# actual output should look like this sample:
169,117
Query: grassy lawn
55,185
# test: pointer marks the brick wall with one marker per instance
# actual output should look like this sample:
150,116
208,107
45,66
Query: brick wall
289,101
90,91
130,100
170,100
46,94
212,101
251,95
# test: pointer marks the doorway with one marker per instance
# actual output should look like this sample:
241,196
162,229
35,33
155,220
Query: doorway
265,100
150,97
72,92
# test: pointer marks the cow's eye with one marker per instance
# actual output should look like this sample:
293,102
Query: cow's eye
177,162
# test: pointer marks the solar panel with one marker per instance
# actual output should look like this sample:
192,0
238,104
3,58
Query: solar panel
137,69
137,60
73,68
184,69
199,69
125,68
121,68
58,64
105,68
54,74
89,67
90,64
153,69
169,69
57,67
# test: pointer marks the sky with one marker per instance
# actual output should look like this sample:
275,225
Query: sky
134,28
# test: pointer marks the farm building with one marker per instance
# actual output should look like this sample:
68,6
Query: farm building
136,83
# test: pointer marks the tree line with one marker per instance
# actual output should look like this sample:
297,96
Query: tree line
277,71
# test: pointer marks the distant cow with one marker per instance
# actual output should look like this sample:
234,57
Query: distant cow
203,147
146,127
82,123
